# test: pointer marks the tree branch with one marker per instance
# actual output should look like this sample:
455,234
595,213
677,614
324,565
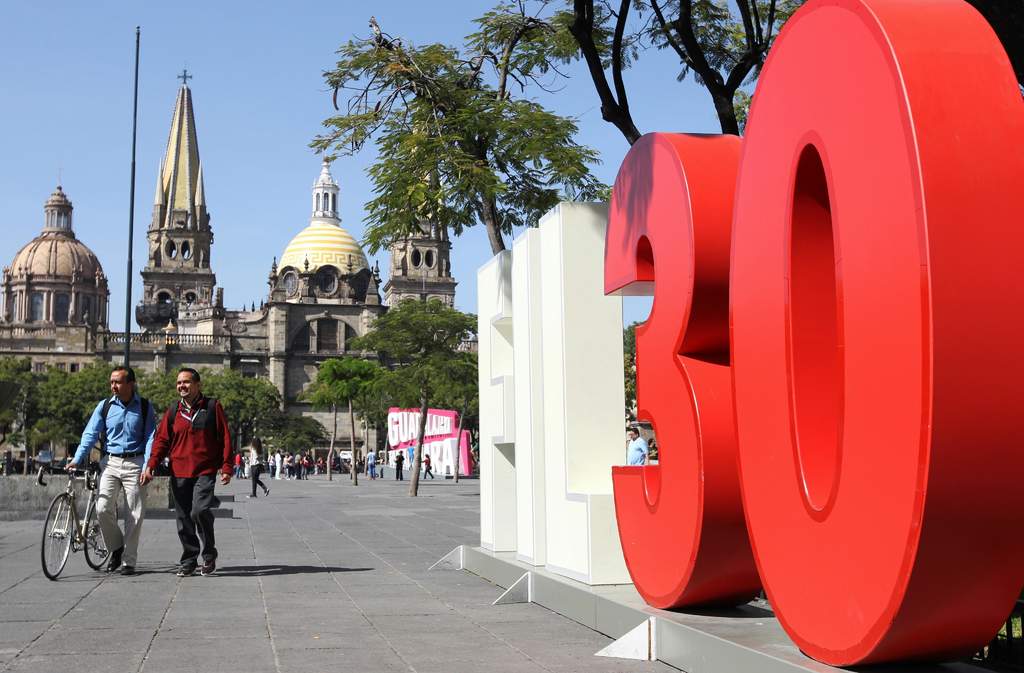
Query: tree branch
620,28
582,29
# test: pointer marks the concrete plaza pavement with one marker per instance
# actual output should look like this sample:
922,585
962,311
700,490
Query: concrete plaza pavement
319,576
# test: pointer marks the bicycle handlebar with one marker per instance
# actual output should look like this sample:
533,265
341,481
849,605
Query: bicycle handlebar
72,474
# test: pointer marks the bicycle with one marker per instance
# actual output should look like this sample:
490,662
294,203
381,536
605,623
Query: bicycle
64,532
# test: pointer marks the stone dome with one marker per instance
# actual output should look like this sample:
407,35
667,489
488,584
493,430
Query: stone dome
56,254
324,243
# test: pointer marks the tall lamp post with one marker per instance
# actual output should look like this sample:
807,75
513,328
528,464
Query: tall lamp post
131,216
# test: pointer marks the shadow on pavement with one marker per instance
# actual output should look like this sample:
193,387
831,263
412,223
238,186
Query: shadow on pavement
264,571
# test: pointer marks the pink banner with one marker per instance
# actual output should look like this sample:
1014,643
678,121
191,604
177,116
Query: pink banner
439,439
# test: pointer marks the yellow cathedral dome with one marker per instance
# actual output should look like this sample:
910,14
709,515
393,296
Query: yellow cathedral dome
324,243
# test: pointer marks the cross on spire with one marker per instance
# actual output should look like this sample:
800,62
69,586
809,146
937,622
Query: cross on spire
184,77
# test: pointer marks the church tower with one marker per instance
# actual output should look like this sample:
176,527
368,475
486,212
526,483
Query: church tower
421,267
177,279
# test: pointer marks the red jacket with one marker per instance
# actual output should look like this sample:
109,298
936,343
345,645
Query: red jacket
194,452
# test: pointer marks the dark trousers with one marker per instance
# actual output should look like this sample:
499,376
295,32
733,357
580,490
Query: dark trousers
193,500
428,473
254,476
398,472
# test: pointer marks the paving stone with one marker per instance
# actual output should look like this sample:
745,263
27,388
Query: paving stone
319,577
79,663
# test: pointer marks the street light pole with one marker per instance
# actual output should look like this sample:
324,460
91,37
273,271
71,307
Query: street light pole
131,216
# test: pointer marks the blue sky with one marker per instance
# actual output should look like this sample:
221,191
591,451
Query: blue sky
65,105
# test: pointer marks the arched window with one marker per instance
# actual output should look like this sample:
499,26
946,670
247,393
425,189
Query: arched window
326,336
318,201
300,344
61,307
334,203
35,307
428,258
164,297
416,258
87,311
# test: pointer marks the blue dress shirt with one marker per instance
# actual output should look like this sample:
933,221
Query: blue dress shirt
123,421
637,452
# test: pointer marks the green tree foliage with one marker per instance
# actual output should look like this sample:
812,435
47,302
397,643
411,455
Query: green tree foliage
160,389
721,44
292,434
459,389
66,402
18,401
249,403
376,399
340,381
422,341
629,367
458,141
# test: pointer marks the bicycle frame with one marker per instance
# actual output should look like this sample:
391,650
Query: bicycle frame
85,476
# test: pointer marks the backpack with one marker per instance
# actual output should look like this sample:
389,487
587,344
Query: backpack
103,415
173,416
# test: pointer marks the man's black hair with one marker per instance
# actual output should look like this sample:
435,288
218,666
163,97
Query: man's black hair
128,370
194,373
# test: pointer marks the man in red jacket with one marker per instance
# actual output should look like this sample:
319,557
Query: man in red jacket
195,433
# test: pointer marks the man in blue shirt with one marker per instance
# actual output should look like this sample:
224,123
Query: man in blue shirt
126,436
636,452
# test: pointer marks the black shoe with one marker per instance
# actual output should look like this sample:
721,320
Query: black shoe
266,492
186,570
209,567
127,570
250,496
115,560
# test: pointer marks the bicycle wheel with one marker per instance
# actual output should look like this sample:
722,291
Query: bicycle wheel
58,530
95,547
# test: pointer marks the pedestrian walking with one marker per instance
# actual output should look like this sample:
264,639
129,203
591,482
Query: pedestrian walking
256,466
278,464
371,464
194,432
426,467
399,460
124,424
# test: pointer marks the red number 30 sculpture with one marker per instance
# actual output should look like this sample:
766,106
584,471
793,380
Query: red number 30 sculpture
843,367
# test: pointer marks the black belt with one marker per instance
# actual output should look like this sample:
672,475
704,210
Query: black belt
130,454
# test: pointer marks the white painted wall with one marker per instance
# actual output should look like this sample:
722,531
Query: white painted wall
527,330
552,368
497,419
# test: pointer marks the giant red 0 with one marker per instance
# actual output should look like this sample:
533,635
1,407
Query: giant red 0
876,324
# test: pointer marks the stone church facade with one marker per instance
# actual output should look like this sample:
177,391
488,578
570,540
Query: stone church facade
321,292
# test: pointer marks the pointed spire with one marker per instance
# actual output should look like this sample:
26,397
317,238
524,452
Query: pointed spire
200,190
180,174
158,199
